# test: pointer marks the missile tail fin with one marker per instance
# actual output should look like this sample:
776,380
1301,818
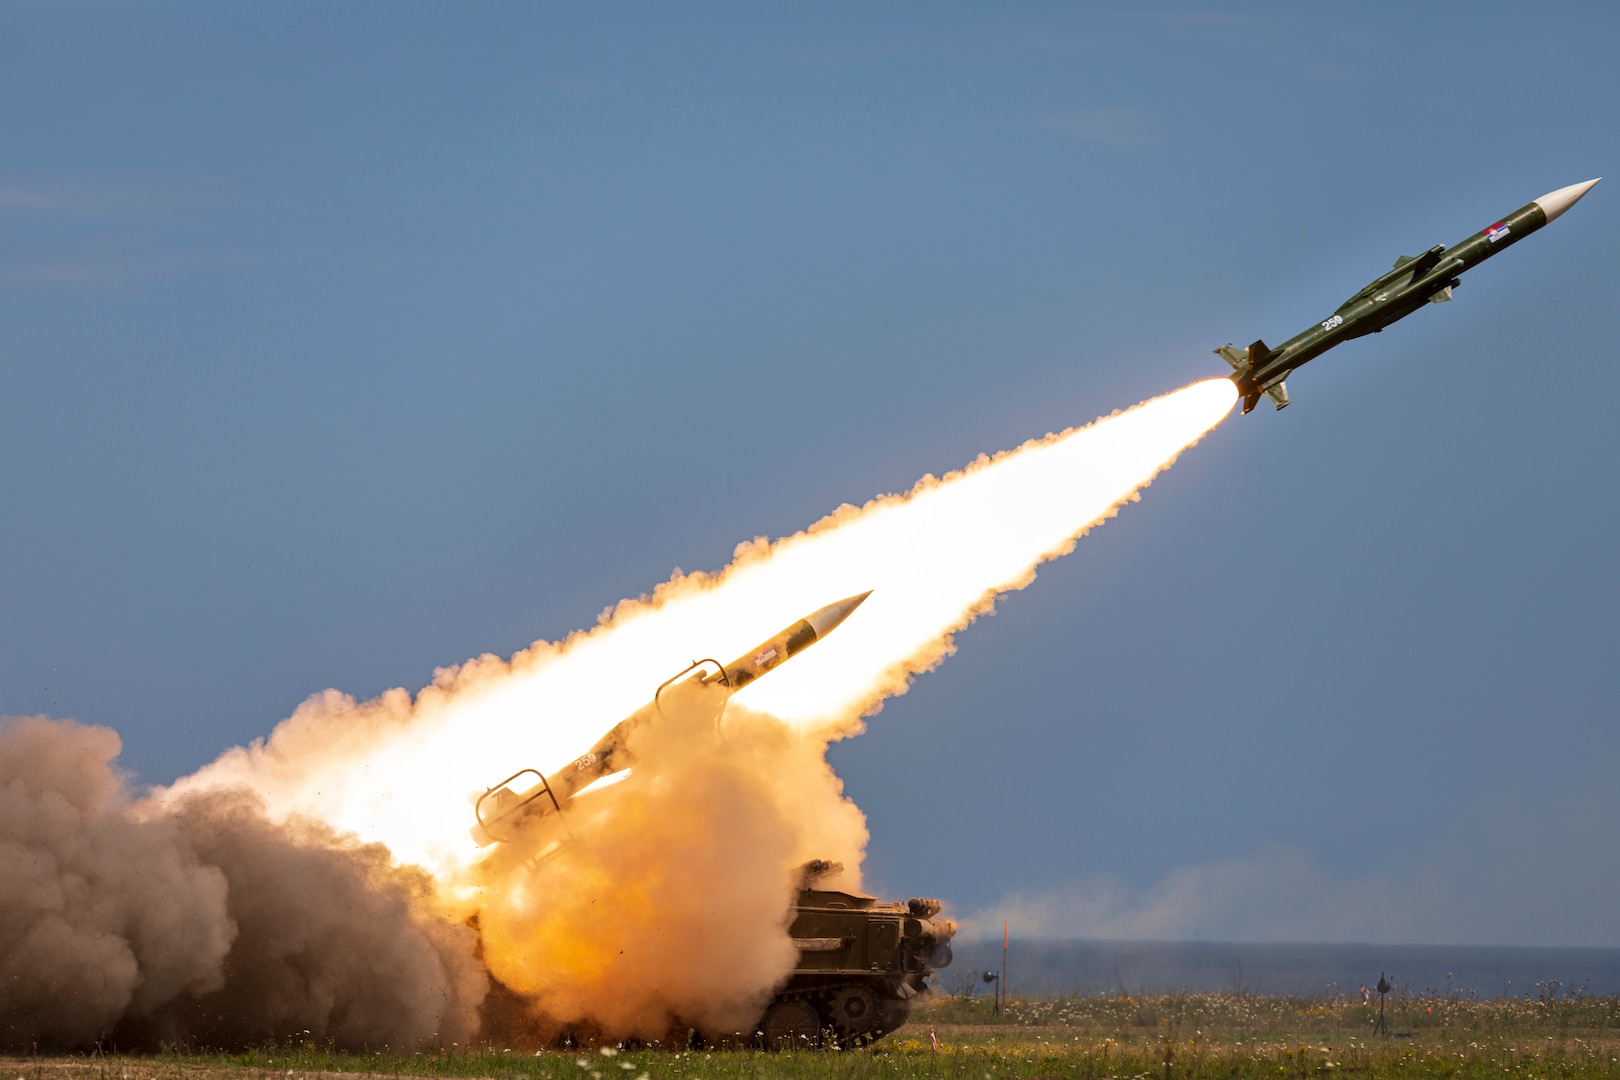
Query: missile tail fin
1238,358
1259,353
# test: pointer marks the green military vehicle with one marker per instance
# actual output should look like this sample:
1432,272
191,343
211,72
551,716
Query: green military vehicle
861,962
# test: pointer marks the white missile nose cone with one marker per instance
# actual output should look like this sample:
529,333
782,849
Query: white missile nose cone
1556,202
824,621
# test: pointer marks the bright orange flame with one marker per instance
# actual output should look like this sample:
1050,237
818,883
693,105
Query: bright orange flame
404,772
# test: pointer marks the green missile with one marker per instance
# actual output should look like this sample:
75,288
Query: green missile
1426,279
504,811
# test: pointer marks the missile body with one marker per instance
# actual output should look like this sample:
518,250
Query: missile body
503,813
1427,279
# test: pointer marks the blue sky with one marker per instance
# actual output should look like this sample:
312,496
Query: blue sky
338,343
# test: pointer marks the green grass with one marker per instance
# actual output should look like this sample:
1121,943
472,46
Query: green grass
1150,1037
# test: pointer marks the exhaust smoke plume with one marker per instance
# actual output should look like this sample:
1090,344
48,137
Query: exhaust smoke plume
321,878
205,924
670,904
101,915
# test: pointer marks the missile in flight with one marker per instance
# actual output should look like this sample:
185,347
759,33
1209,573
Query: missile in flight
1414,282
506,813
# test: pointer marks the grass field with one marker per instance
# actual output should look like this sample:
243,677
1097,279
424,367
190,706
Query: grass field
1149,1037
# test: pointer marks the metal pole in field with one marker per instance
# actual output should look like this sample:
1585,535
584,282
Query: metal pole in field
1003,987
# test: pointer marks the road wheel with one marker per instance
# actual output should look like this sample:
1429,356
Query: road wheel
791,1025
855,1011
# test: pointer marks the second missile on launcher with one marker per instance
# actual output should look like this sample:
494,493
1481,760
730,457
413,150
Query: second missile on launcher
504,813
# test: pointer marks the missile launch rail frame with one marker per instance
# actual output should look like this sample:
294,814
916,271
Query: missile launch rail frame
512,811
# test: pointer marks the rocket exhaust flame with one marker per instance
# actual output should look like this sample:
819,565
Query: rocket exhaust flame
297,841
405,773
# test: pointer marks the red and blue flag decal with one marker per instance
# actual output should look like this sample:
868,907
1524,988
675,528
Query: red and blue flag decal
1497,232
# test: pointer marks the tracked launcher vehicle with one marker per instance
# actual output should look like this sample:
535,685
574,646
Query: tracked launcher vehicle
861,962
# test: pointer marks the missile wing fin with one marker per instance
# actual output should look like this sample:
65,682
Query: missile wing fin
1406,269
1426,261
1238,358
1243,360
1278,393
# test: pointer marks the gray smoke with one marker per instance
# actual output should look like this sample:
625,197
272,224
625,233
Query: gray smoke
101,915
206,924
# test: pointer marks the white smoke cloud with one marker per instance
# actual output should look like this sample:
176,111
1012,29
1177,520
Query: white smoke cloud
1505,884
1274,896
